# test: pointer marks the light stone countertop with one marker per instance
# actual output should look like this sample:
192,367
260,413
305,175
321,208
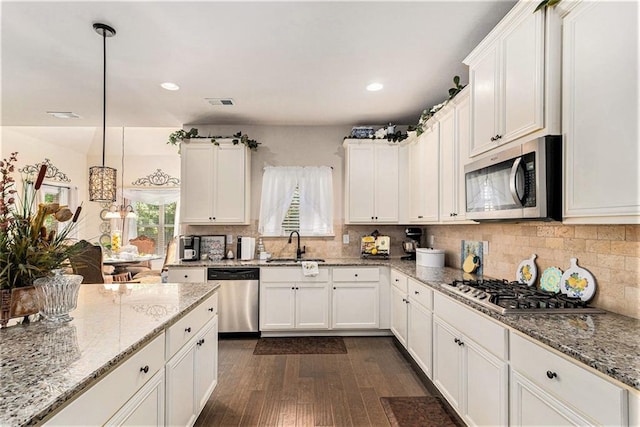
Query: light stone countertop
608,343
43,366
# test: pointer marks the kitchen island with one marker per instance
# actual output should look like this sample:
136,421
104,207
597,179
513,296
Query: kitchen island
44,367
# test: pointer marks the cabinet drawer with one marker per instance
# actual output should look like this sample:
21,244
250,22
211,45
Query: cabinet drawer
187,327
291,274
187,274
358,274
102,400
487,333
420,293
591,395
399,280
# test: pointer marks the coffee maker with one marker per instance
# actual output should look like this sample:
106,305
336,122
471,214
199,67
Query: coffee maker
189,248
409,246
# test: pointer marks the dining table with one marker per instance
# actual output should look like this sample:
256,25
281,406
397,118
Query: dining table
122,262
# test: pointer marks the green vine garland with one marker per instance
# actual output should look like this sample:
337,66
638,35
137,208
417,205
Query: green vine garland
175,138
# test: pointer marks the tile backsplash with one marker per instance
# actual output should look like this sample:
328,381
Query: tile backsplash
610,252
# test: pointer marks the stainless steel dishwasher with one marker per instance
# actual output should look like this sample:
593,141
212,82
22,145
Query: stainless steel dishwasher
238,298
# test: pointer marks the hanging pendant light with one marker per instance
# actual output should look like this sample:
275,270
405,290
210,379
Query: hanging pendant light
102,179
122,211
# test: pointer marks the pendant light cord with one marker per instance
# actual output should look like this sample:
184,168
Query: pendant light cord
104,92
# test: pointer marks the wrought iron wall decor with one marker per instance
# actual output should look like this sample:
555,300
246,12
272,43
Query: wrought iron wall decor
53,173
156,179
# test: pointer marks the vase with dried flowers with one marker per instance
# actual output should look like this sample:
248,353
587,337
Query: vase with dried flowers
28,250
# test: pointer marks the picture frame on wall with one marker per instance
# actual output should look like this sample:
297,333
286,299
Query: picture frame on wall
213,246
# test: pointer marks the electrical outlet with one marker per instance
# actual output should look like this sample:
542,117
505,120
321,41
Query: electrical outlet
485,247
229,239
432,240
345,239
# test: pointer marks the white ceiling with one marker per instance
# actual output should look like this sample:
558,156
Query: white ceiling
292,63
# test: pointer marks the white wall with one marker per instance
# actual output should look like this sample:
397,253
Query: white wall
74,149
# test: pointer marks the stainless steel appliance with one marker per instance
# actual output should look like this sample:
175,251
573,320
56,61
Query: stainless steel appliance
189,249
506,297
522,182
409,246
238,298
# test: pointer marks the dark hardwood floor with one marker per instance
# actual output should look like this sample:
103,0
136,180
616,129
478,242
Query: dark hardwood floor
309,390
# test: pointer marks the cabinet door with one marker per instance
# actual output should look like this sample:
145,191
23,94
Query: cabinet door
197,182
399,315
361,183
386,175
485,386
180,391
484,79
600,113
312,306
355,306
277,306
419,336
463,135
206,368
424,205
145,408
523,78
447,362
448,168
229,192
531,406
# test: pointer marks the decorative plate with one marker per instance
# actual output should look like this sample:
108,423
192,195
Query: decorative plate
550,279
527,271
577,282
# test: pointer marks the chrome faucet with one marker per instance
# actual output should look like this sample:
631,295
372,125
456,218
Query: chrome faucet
299,251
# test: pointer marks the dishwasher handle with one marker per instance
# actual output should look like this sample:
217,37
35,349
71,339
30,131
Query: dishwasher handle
233,273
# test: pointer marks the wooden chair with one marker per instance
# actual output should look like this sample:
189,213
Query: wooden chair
145,245
88,263
168,257
122,277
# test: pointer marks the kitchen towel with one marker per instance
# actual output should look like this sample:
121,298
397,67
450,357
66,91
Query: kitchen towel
310,268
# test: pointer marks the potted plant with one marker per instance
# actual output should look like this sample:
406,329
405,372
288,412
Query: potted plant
175,138
28,250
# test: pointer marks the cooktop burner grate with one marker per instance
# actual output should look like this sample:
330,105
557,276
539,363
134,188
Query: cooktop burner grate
508,297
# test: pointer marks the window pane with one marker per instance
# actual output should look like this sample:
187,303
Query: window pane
170,214
291,220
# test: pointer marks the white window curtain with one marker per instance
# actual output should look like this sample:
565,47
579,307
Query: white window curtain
154,196
316,199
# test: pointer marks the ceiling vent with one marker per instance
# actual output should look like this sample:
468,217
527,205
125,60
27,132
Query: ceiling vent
220,101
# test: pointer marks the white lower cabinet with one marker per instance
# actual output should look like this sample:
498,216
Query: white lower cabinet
145,408
289,300
420,324
187,274
355,298
469,363
399,289
547,388
191,376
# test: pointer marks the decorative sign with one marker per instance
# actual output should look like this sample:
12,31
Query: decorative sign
156,179
53,173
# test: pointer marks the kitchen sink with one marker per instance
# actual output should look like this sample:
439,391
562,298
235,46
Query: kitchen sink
293,260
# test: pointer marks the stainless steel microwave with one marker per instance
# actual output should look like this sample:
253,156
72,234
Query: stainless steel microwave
518,183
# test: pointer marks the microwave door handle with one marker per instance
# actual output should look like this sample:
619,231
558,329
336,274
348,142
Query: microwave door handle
516,184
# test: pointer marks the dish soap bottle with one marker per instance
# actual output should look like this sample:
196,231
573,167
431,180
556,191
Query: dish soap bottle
260,248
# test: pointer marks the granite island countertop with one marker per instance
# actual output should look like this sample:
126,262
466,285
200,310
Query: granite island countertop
606,342
42,366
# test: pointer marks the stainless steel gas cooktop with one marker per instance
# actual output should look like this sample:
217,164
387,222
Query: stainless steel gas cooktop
507,297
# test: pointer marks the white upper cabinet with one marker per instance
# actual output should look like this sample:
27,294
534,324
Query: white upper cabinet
454,146
214,185
600,112
424,176
514,76
371,183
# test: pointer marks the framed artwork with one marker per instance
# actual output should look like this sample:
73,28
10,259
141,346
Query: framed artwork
213,246
471,247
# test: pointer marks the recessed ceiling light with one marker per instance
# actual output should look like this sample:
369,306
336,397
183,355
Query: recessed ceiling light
170,86
374,87
63,114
